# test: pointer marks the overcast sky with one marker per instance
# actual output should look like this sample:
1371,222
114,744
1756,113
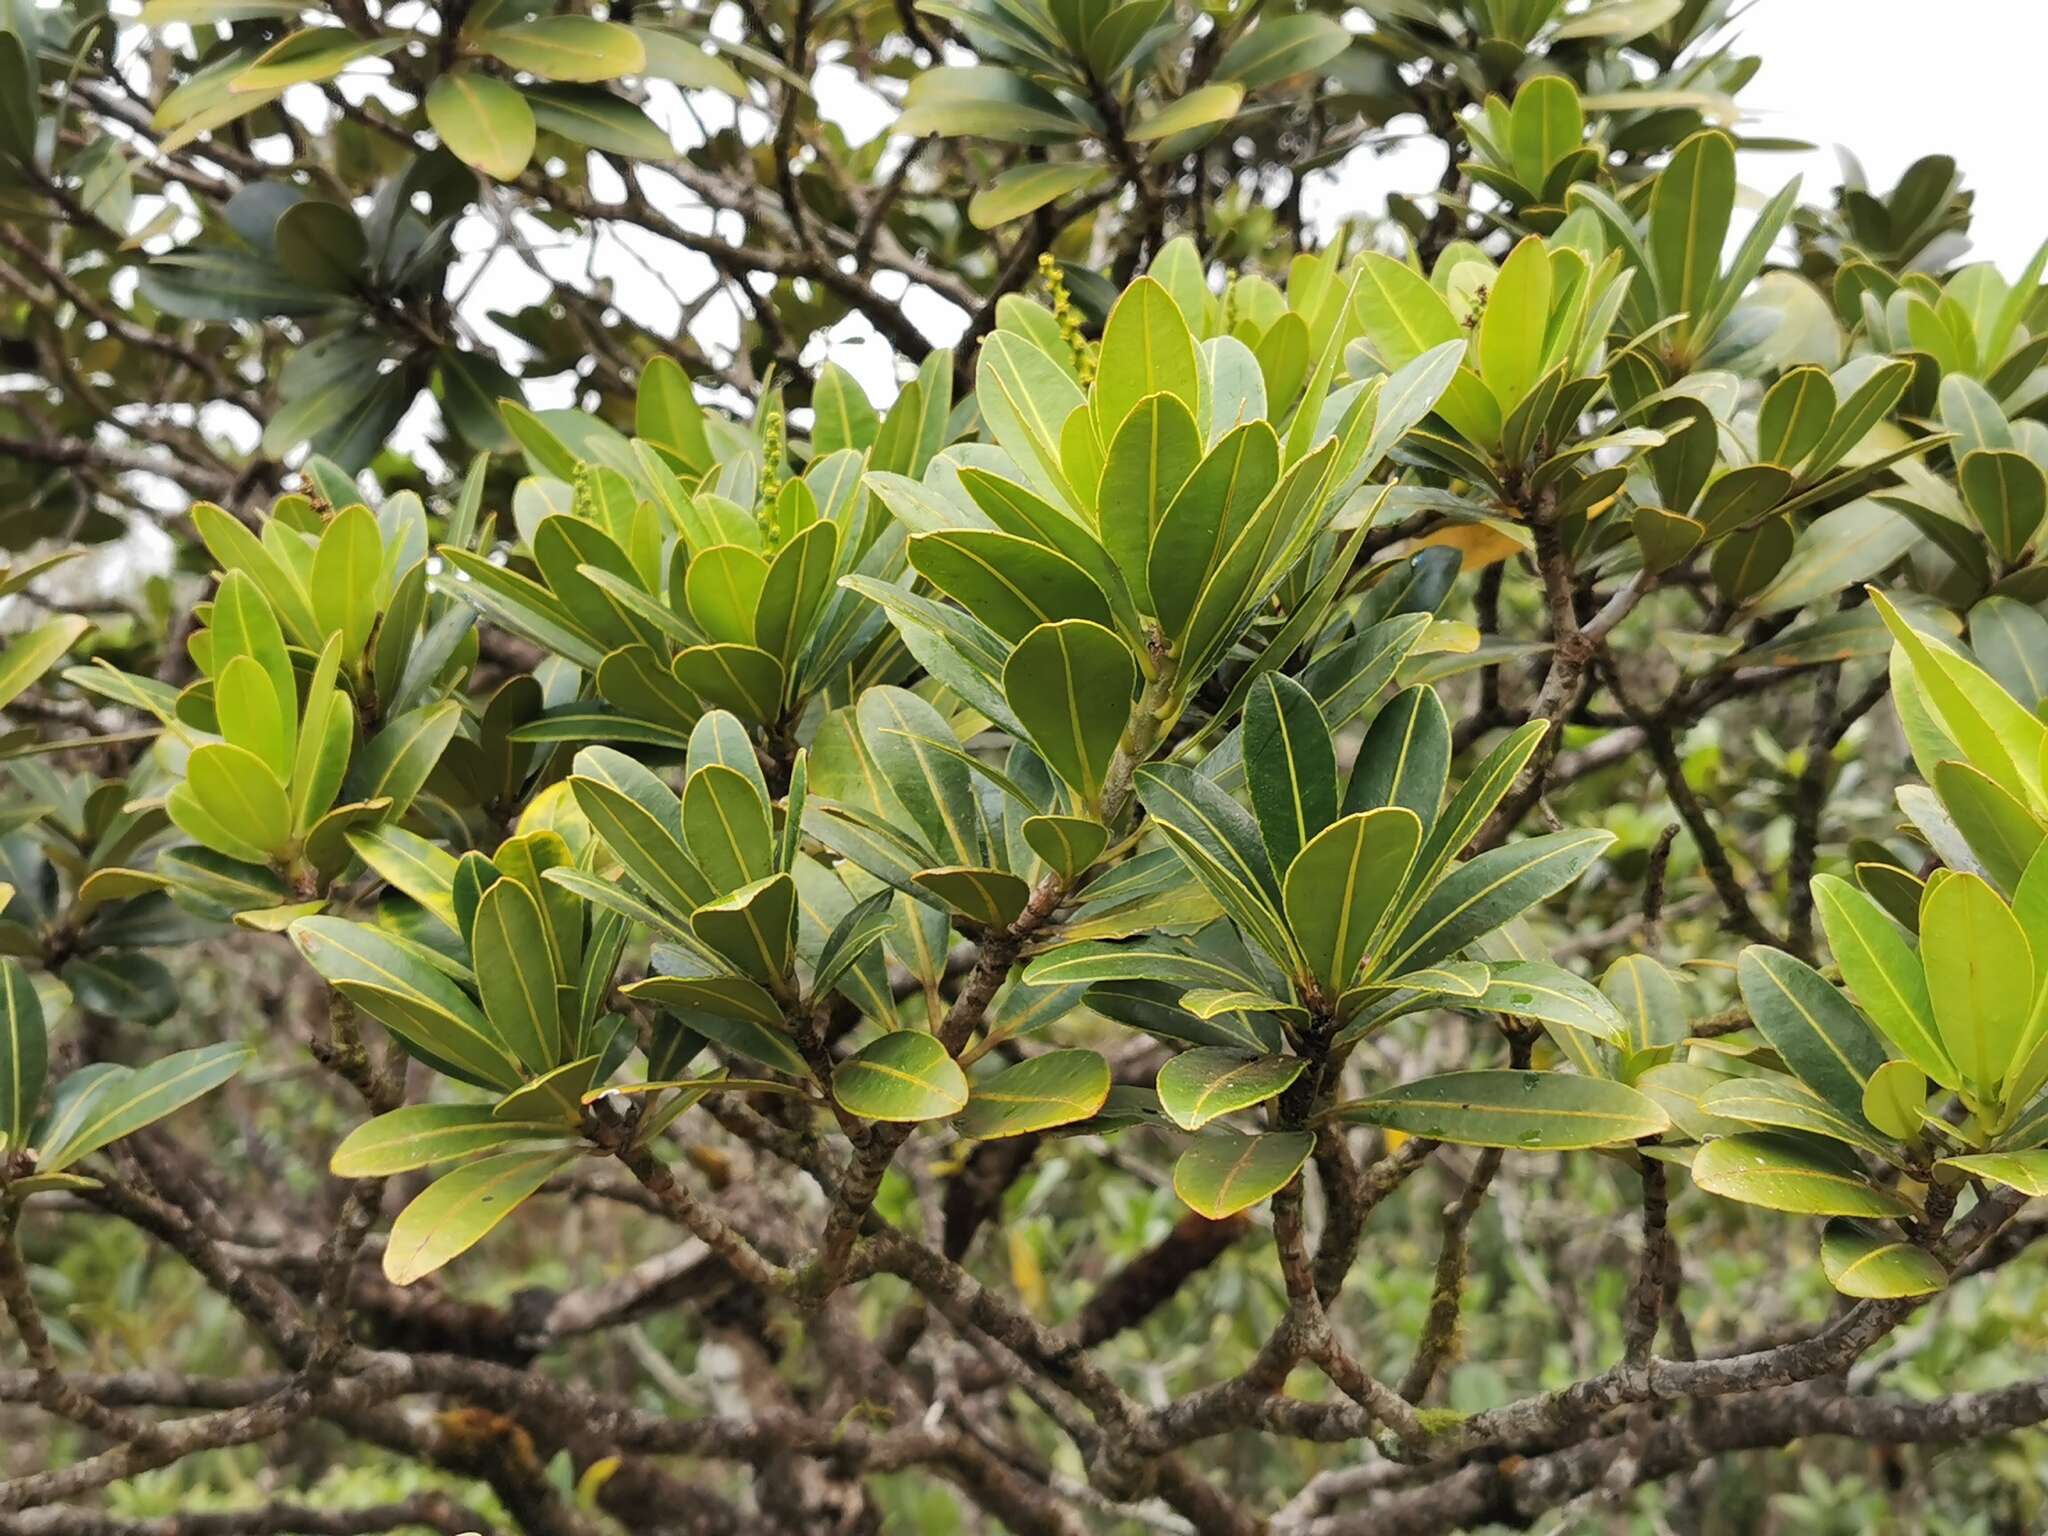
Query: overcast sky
1897,79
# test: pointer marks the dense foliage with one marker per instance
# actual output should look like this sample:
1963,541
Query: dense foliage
1342,873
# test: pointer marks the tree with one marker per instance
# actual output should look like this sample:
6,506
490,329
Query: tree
668,941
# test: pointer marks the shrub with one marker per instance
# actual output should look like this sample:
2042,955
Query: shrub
1010,956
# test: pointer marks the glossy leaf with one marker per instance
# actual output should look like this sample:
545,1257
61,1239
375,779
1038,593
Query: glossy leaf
1980,977
1811,1026
458,1210
1038,1094
1222,1172
1785,1173
1070,685
24,1053
1531,1111
482,121
420,1135
904,1076
516,974
1290,766
1341,886
1869,1262
1198,1086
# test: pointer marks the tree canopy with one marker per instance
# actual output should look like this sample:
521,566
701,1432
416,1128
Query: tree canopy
1000,822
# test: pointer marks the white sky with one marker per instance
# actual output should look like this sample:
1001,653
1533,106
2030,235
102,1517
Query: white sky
1897,79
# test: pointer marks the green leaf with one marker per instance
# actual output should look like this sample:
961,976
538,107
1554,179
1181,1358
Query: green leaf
1402,314
1341,886
243,624
1690,204
1222,1173
1011,584
994,898
124,1100
318,53
1219,842
2001,832
1210,521
726,827
322,245
1057,1088
597,119
1068,844
1290,766
1026,399
1146,960
1015,509
516,974
909,741
741,678
399,759
1811,1026
1769,1099
988,103
2011,640
28,656
2025,1172
1485,893
1794,416
1546,123
24,1054
1533,1111
642,833
348,569
730,997
841,417
1980,978
20,84
232,803
1198,1086
1280,47
754,927
422,870
2007,493
420,1135
682,60
557,1096
1026,188
1549,994
1881,968
411,998
1199,108
123,984
1997,736
1788,1173
1895,1099
667,415
1869,1262
246,706
904,1076
1150,458
1146,349
1070,685
483,122
1515,323
1405,758
852,938
754,1041
458,1210
572,48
